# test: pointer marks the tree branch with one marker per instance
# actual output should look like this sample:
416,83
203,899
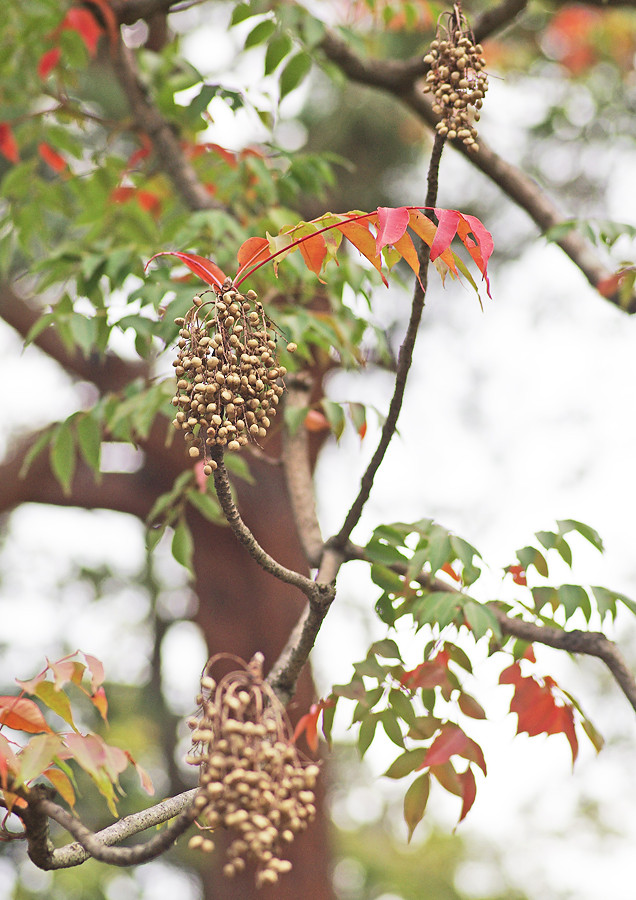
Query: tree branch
162,135
313,590
298,474
100,845
585,643
521,189
107,372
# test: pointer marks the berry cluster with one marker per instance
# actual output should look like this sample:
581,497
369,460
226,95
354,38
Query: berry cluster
458,81
228,377
251,778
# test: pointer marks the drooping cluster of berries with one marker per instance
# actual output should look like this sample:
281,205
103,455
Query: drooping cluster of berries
457,79
228,377
252,780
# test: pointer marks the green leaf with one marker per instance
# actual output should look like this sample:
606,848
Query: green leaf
294,72
328,715
56,701
544,595
605,601
183,544
153,536
439,607
385,554
277,50
38,327
458,656
480,619
406,763
590,534
63,456
439,548
573,597
35,449
367,733
415,801
207,505
241,12
401,706
387,579
424,727
564,550
89,439
530,556
386,648
260,33
392,727
335,416
547,539
595,736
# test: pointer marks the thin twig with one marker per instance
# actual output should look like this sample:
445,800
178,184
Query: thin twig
405,357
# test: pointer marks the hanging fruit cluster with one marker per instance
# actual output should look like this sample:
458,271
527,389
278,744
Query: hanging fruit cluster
228,376
457,79
252,781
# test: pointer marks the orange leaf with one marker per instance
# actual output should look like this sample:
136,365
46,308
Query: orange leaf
100,702
22,714
362,239
51,157
316,421
252,251
48,61
62,784
313,250
8,145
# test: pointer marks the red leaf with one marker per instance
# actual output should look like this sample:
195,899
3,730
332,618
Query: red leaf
8,145
309,725
206,270
392,224
607,287
48,61
537,709
22,715
84,23
518,574
426,675
469,791
149,201
51,157
449,742
446,231
254,250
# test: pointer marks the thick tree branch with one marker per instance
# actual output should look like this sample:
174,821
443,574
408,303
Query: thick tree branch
100,845
525,192
108,372
298,474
